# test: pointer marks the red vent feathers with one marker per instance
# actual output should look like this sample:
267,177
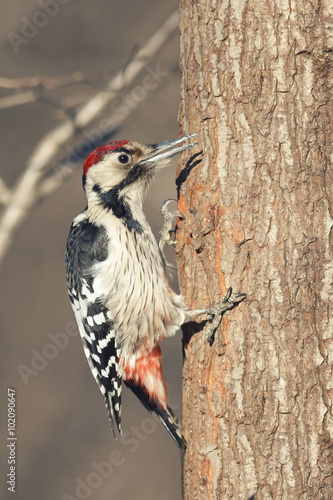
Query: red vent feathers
148,374
98,154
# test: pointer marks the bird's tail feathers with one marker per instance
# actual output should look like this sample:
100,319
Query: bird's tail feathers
166,415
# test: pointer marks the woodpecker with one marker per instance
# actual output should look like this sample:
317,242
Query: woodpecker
117,283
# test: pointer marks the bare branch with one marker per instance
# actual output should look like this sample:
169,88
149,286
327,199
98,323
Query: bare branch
76,98
5,193
63,170
25,193
18,99
124,78
40,81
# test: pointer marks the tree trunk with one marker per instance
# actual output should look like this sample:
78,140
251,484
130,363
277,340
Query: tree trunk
257,89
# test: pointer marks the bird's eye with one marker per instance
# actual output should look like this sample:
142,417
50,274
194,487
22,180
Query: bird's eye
123,159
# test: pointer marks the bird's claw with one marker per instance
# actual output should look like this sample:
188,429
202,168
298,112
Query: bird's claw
167,229
165,212
216,312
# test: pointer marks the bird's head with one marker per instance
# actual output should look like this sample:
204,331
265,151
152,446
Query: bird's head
123,169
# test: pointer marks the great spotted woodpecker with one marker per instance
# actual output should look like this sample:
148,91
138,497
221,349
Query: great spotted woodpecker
116,279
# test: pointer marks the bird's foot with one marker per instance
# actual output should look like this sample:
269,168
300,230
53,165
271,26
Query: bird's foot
167,232
216,312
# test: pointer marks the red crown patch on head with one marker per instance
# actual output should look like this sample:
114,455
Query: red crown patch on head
98,154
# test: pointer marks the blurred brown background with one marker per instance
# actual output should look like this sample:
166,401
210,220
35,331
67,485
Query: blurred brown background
62,425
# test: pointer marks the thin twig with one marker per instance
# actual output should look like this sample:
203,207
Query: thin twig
40,81
18,99
25,192
76,99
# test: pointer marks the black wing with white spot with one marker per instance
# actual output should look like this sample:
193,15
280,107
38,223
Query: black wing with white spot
87,244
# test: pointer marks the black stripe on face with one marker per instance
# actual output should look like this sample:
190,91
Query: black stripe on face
111,200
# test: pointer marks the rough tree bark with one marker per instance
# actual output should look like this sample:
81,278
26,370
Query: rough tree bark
257,89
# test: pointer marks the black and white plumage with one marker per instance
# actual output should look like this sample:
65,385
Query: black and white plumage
116,279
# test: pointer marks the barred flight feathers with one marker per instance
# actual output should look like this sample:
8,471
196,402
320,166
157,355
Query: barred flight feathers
86,246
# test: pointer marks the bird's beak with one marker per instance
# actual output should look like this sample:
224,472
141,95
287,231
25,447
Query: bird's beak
168,149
